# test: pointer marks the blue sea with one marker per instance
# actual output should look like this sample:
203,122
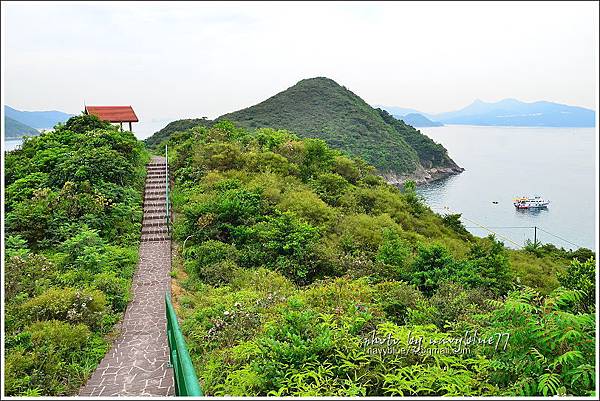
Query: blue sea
502,163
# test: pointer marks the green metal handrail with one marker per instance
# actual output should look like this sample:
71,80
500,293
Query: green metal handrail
186,381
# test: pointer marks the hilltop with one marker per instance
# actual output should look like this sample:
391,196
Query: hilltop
321,108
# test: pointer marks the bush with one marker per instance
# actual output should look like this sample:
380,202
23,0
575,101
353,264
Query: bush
307,205
580,276
67,304
219,273
282,242
432,265
396,299
209,253
115,288
394,251
37,359
330,187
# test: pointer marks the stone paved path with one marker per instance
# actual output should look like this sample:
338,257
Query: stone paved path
137,364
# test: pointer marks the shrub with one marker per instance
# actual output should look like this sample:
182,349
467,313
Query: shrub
346,168
115,288
580,276
39,362
489,267
330,187
282,242
29,274
396,298
67,304
209,253
219,273
307,205
361,232
432,265
394,251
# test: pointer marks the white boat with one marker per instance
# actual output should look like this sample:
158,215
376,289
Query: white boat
525,202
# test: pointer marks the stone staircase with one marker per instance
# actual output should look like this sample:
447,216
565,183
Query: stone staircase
138,362
154,224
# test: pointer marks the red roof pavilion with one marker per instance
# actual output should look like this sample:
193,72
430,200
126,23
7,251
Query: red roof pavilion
113,114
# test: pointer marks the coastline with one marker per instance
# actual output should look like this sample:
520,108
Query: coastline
422,176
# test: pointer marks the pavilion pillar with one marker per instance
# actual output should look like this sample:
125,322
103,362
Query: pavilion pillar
121,124
130,127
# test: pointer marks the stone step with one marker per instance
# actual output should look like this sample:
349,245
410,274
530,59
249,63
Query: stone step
155,230
159,186
155,238
155,174
155,198
155,205
155,209
155,192
154,223
155,215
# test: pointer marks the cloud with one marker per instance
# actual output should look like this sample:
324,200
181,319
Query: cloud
173,60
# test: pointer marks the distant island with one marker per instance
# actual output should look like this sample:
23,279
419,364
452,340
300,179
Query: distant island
511,112
36,119
321,108
419,120
14,129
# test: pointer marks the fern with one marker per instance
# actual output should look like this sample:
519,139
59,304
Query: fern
569,358
549,383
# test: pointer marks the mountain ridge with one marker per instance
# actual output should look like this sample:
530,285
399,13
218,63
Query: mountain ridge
513,112
37,119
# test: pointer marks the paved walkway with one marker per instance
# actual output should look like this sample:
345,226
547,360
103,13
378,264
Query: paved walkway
137,364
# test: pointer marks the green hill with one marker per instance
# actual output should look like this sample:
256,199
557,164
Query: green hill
16,129
320,108
175,126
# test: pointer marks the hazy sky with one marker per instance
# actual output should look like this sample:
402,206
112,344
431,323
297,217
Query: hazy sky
180,60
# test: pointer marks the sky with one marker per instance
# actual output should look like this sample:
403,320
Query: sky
189,60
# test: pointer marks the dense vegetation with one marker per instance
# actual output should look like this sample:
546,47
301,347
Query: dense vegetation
320,108
72,224
295,260
430,154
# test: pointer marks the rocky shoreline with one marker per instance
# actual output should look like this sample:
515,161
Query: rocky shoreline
422,176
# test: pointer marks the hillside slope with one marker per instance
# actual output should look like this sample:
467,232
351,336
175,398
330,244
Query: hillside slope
320,108
16,129
175,126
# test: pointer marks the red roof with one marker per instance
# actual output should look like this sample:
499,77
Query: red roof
113,114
